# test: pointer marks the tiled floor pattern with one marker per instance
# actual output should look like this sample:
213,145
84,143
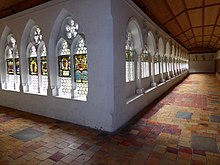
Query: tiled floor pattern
183,128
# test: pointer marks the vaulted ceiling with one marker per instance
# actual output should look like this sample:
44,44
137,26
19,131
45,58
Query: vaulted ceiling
195,24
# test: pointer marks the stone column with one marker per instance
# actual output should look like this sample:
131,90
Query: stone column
153,83
161,69
139,89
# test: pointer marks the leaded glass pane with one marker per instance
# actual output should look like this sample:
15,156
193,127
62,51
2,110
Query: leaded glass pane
64,64
33,67
11,82
37,36
44,84
34,84
44,66
80,63
10,66
17,66
66,86
70,28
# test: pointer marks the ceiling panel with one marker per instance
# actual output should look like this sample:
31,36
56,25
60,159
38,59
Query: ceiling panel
193,3
189,34
173,27
183,21
197,31
211,14
196,17
192,40
208,30
181,38
176,6
206,38
198,39
214,39
217,31
211,2
152,8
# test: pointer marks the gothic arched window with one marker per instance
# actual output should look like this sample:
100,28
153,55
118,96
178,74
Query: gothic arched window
72,80
37,62
12,64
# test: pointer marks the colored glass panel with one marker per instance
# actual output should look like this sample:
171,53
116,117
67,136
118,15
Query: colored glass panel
80,69
17,66
64,66
33,67
44,66
129,55
10,66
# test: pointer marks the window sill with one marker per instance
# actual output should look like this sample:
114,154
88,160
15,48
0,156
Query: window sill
84,99
40,94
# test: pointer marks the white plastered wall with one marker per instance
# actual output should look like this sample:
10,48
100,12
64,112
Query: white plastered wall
95,22
125,109
199,65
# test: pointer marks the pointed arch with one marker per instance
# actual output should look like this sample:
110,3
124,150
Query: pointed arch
3,45
54,40
34,79
64,38
10,68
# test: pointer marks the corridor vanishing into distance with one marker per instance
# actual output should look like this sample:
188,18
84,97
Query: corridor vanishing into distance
182,128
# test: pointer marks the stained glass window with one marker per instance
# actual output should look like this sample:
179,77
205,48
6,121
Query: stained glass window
80,63
64,61
10,66
43,61
37,63
144,64
17,66
80,69
12,58
64,69
44,66
33,68
64,66
72,68
129,52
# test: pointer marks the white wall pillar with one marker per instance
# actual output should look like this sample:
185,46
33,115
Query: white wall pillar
161,69
153,83
139,89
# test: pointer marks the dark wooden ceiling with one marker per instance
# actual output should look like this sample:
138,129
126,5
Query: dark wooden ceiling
195,24
9,7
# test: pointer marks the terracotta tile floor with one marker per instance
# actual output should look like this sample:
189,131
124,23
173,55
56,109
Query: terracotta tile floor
187,117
